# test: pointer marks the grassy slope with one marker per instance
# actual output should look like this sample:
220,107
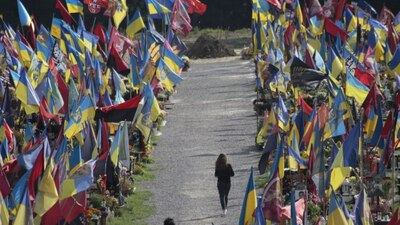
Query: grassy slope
137,209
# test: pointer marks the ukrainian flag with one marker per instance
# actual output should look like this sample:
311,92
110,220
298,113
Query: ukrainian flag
249,202
47,194
134,73
74,159
356,89
363,214
56,27
25,53
336,126
172,60
374,43
350,19
135,24
26,94
80,113
335,213
120,12
394,63
115,146
43,53
156,8
24,214
149,113
334,63
80,181
74,6
167,77
270,127
279,161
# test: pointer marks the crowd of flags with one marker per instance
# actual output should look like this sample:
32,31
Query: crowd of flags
71,97
332,72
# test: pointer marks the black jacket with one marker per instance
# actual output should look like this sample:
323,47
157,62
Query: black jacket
224,175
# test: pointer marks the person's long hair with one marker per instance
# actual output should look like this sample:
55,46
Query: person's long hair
221,162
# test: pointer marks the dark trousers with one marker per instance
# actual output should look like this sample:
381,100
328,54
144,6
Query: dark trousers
223,190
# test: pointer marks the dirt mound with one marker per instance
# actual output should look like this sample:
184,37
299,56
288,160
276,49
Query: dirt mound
207,46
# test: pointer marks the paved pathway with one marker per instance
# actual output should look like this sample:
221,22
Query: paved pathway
212,114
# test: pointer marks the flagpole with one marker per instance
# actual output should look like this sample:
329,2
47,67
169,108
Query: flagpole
360,142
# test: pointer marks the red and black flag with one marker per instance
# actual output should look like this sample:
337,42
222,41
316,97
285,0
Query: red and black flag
120,112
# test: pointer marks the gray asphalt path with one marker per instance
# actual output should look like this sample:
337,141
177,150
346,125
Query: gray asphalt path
212,114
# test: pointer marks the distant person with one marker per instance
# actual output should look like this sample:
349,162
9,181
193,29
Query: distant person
224,172
169,221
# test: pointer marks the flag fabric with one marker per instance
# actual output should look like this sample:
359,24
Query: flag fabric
272,199
196,6
362,211
299,207
4,214
120,12
167,76
26,94
351,147
149,112
5,188
354,88
336,126
156,8
79,181
249,205
394,63
24,213
135,24
24,17
80,113
115,146
335,213
47,194
64,13
180,19
74,6
120,112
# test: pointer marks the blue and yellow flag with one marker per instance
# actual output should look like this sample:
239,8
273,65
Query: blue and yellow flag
149,113
356,89
79,114
80,181
249,202
167,76
26,94
155,7
135,24
335,212
120,12
74,159
336,126
56,27
394,63
74,6
115,146
47,194
362,211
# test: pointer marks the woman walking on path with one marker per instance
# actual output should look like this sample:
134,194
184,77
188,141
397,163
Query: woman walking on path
224,172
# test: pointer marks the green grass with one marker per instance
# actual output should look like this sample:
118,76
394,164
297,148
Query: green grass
136,211
137,207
